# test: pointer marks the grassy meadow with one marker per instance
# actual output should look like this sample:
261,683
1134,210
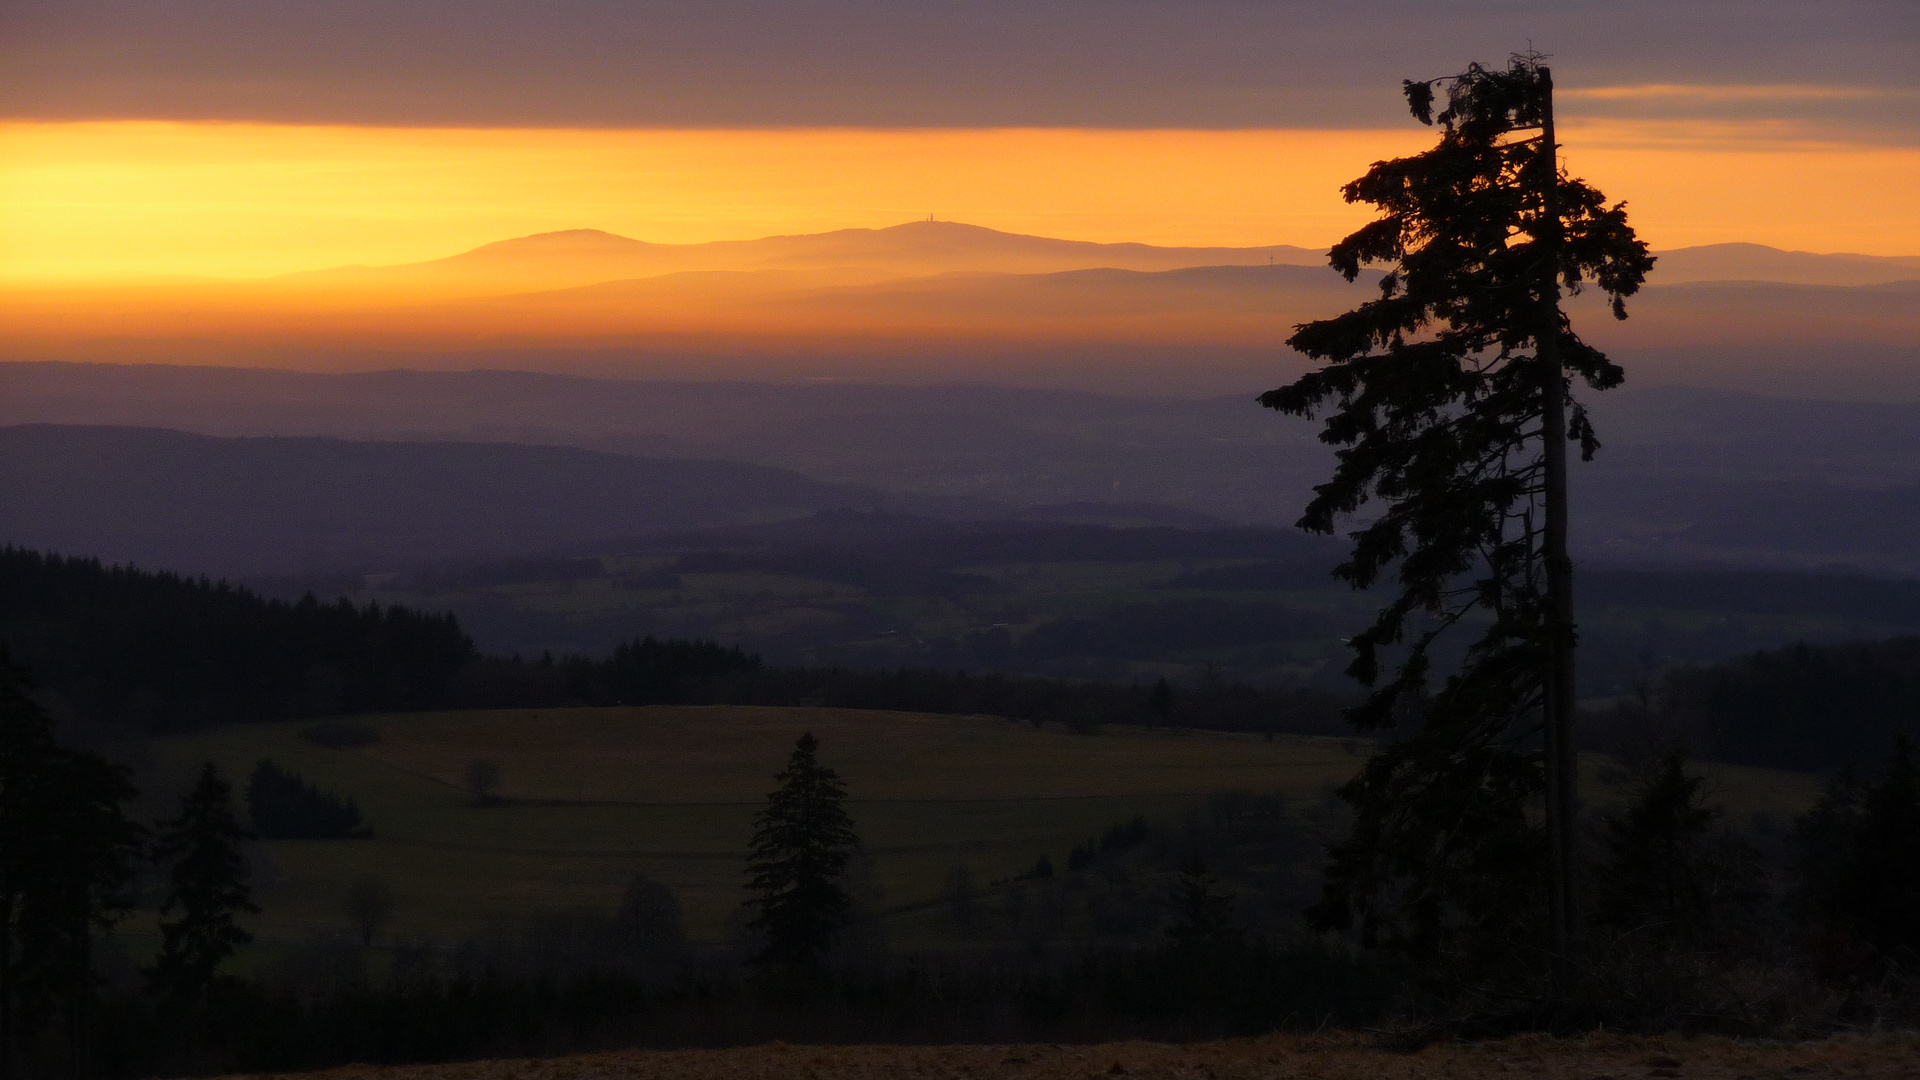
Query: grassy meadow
591,796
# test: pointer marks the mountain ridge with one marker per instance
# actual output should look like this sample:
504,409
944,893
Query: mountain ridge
921,248
915,248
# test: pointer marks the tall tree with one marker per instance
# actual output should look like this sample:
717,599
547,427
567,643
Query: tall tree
66,851
79,888
27,754
802,841
1450,398
207,889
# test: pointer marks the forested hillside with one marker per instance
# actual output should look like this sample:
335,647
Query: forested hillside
163,652
1802,707
166,653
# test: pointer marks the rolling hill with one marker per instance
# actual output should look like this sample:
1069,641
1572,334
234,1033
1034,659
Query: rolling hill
573,257
220,505
1757,262
1686,474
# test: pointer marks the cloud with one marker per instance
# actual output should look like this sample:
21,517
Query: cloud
1759,92
888,63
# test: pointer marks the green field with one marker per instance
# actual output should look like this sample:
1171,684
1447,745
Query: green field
593,796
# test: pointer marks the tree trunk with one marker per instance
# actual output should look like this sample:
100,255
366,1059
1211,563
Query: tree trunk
1558,704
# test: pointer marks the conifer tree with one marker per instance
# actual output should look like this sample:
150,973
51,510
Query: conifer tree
26,756
1672,869
1450,399
1858,858
66,857
80,889
207,889
802,842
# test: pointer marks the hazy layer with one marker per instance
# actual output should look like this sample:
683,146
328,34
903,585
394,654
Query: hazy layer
109,201
938,301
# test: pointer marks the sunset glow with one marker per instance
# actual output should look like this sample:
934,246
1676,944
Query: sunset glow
117,200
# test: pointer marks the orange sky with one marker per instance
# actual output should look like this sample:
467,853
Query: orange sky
111,200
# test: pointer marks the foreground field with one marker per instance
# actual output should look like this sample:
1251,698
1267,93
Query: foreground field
1318,1057
590,797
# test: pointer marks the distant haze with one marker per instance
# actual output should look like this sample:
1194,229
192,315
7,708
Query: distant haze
1684,475
938,301
169,500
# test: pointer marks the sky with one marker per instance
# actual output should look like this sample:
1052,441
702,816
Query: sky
254,137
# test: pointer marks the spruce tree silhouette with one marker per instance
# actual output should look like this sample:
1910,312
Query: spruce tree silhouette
1450,398
1202,916
1673,873
1858,858
78,891
802,841
26,756
66,855
207,890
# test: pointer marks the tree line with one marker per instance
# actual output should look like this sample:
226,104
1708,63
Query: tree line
1801,707
165,653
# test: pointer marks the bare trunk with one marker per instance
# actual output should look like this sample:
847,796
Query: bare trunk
1561,761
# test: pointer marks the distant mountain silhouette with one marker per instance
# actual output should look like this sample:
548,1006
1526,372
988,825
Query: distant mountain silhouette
1756,262
942,301
573,257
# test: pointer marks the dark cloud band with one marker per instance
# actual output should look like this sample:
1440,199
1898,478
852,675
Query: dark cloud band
1110,63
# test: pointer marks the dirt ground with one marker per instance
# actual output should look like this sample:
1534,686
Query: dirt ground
1319,1057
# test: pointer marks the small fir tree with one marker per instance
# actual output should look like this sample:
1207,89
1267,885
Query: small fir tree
802,842
207,890
1858,858
1672,869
